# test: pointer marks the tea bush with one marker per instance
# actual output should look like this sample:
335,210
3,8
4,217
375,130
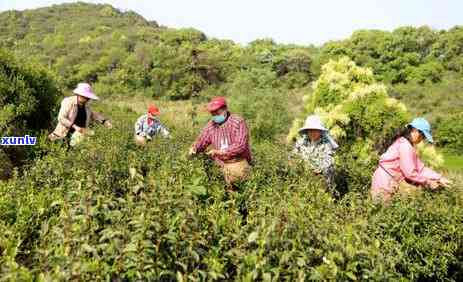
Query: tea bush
28,98
109,210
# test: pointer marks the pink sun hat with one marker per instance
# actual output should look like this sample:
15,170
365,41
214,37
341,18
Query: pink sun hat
85,90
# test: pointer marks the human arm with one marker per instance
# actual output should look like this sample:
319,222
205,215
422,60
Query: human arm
202,142
139,126
413,169
100,118
163,131
64,113
325,160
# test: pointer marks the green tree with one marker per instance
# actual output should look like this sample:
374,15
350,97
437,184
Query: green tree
28,97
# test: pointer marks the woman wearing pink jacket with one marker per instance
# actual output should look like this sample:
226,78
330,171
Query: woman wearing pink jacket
399,167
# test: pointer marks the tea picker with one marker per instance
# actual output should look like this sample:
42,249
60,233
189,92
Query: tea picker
75,115
228,136
400,171
316,148
149,125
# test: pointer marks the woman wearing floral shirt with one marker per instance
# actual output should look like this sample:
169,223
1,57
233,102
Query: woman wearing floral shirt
317,148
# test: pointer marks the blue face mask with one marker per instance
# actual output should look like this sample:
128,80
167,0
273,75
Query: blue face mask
219,119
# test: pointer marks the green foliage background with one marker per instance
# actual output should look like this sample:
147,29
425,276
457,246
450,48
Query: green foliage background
28,97
108,210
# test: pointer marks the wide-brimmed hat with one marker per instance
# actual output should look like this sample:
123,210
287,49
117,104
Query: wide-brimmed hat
422,125
312,122
216,103
85,90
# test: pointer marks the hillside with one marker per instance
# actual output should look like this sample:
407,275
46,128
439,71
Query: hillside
94,40
122,53
126,53
109,210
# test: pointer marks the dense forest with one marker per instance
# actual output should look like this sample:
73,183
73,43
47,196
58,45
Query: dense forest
109,210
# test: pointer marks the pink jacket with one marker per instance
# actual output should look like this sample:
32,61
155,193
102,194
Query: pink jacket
66,116
400,162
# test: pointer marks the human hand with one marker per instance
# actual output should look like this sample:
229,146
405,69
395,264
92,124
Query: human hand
434,185
108,124
445,182
214,152
78,129
192,151
140,140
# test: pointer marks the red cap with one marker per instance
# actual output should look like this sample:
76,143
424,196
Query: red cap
216,103
152,109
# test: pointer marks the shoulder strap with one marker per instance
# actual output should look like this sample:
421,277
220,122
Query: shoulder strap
381,166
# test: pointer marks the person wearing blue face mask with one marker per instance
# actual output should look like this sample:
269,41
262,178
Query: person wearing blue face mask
228,136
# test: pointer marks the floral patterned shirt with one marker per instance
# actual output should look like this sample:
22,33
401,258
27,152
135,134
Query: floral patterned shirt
317,155
147,129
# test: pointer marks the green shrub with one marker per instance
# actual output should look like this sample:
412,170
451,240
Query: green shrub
449,133
407,54
265,111
28,96
431,71
109,210
28,99
294,67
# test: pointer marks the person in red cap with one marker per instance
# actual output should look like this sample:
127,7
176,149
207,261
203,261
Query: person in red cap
228,137
149,125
